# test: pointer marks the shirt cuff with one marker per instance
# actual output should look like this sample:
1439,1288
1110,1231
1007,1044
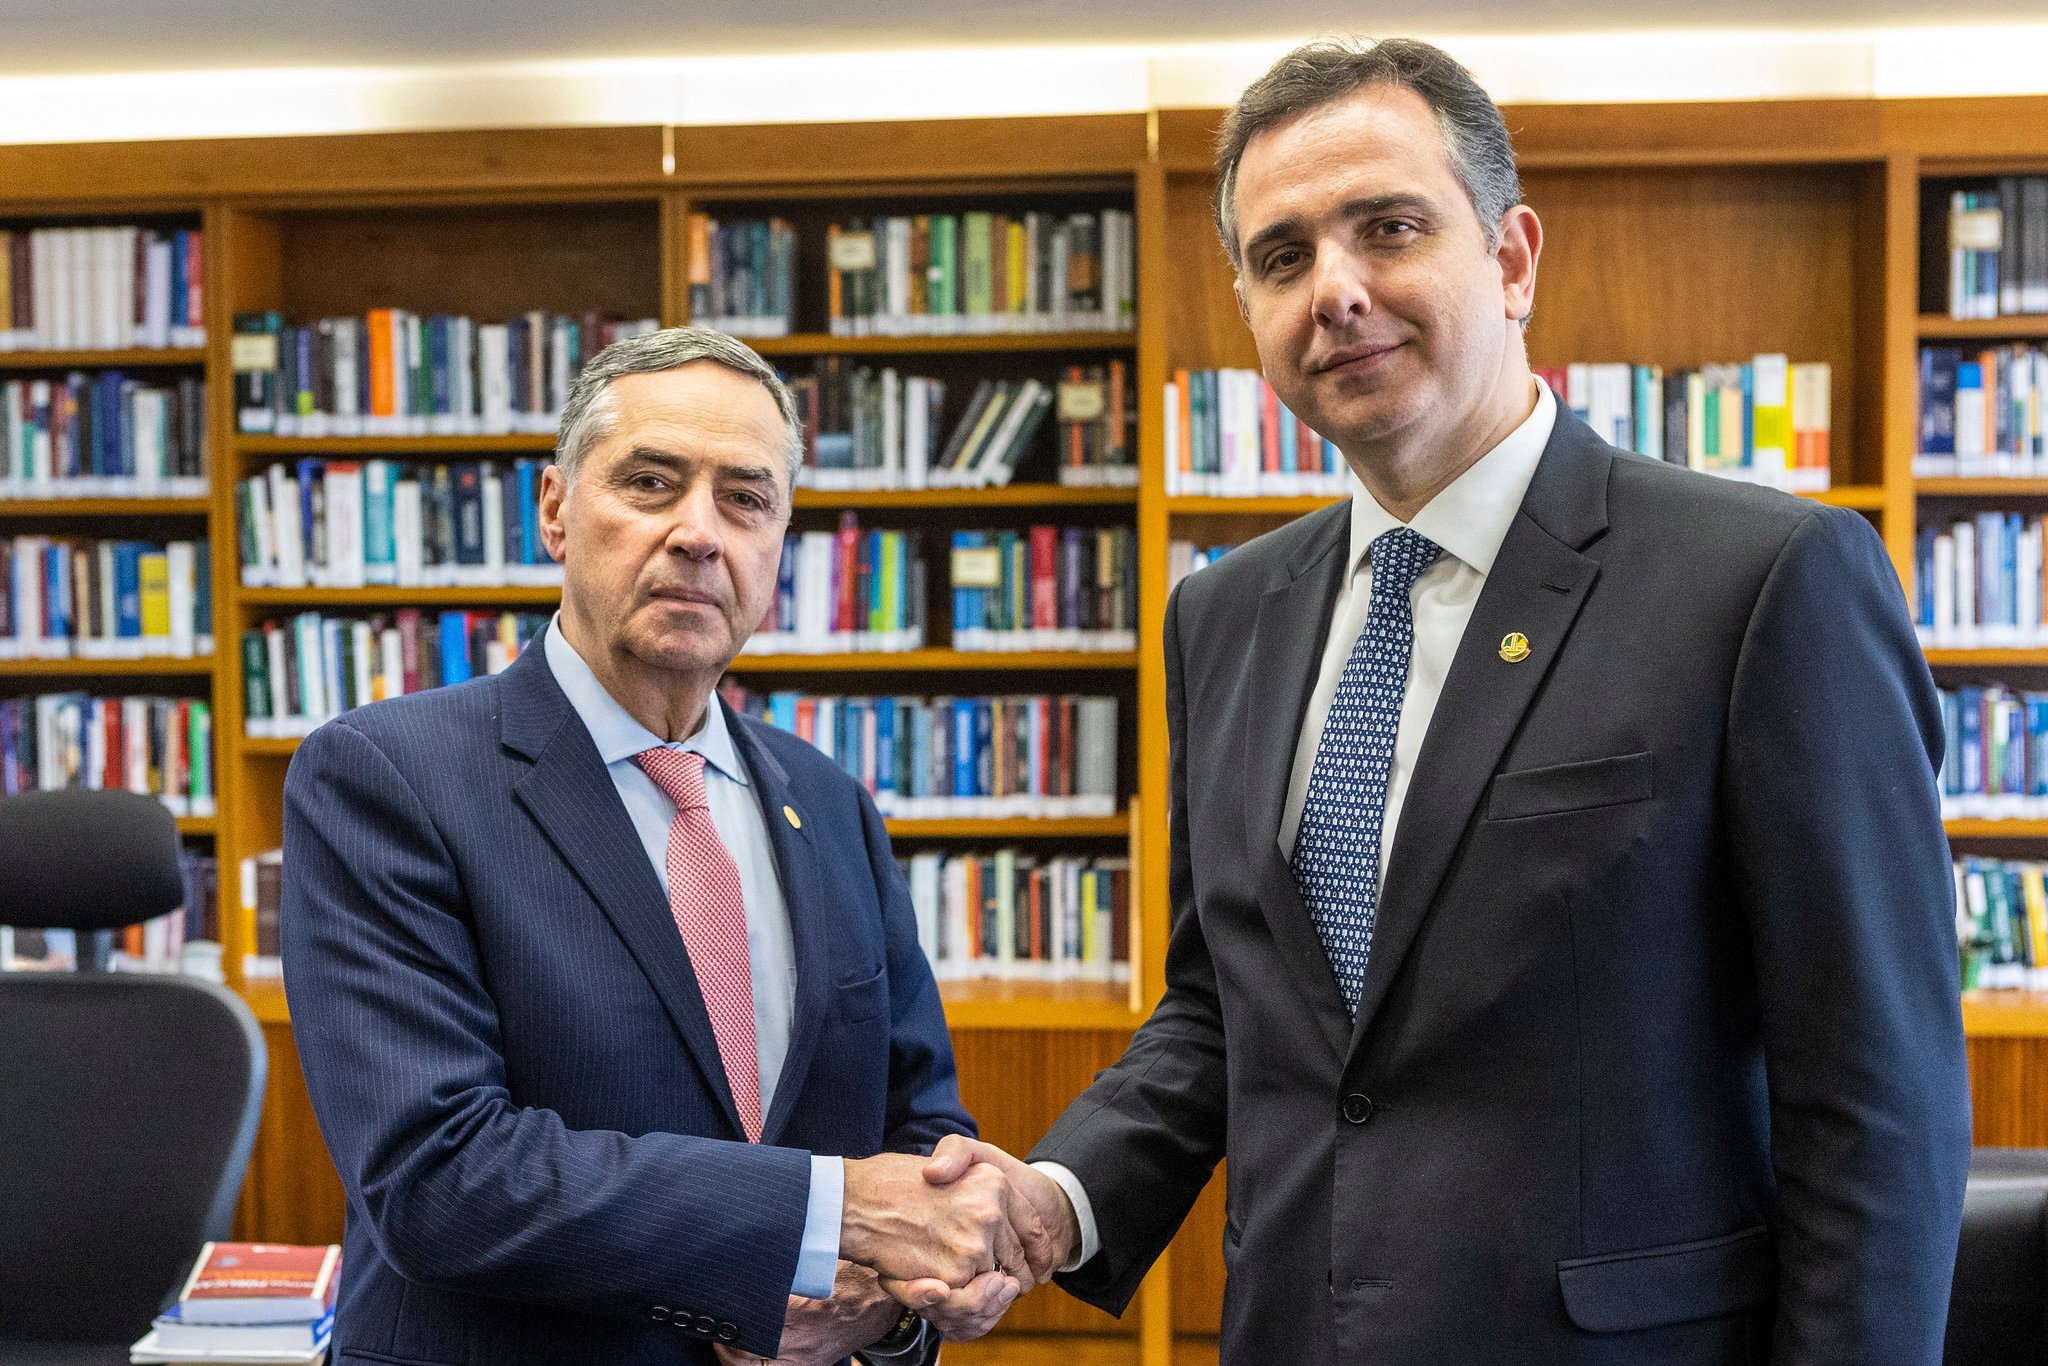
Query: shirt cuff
1084,1213
817,1262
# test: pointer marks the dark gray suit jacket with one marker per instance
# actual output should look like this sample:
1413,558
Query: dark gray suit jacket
1659,1056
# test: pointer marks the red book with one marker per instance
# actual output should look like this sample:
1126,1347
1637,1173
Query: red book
847,576
1045,584
1269,429
260,1283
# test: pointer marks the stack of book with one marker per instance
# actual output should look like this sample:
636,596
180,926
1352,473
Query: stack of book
742,275
1009,915
846,590
1032,757
104,435
250,1303
1229,435
1045,588
1998,249
1995,761
104,599
2002,923
946,274
1765,421
1982,412
868,428
260,882
394,373
100,289
347,523
162,746
303,672
1979,582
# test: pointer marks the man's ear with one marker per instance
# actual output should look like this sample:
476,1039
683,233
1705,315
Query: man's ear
1521,243
1237,292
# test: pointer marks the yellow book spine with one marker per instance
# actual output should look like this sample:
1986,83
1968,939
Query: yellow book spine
156,595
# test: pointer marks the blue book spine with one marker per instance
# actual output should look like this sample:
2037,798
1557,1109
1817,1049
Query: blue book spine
1971,706
963,747
782,711
918,717
1952,741
885,745
531,550
1290,441
128,589
124,425
440,371
1923,576
2009,548
311,472
984,747
338,684
57,593
852,730
181,260
454,647
2036,707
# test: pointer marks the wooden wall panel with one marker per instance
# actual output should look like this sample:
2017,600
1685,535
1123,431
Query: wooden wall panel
921,149
291,1194
1203,326
2009,1092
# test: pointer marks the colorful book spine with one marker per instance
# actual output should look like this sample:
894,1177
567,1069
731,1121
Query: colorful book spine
1982,412
2002,923
102,434
742,275
161,746
1228,435
1045,588
1979,582
836,593
101,289
1017,916
66,598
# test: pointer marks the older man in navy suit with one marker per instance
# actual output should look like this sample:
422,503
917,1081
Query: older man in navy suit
609,1000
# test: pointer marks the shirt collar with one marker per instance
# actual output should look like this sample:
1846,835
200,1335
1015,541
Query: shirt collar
617,735
1470,518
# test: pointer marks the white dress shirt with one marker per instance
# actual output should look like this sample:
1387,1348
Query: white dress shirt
1468,521
771,951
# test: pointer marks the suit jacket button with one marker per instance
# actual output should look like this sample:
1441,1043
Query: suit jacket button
706,1325
661,1313
1357,1108
728,1332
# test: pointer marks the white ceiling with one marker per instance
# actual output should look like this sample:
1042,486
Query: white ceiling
65,37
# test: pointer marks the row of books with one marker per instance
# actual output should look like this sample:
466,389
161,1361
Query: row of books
846,590
349,523
876,428
936,758
249,1303
1185,557
1998,249
74,598
395,373
1045,588
1229,435
162,746
742,275
949,274
1765,421
102,435
101,289
185,940
299,673
1011,915
1979,582
1995,760
1981,412
2002,923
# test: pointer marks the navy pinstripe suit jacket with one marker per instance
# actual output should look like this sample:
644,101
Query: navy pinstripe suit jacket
511,1063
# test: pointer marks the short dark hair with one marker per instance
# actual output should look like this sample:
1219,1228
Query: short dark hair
1475,135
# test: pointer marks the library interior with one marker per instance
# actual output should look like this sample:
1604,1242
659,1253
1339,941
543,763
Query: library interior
1710,1023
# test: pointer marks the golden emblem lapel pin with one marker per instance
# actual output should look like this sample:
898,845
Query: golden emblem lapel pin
789,812
1514,647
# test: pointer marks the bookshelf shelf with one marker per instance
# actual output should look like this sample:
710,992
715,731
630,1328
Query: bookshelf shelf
1008,496
104,507
1988,659
516,444
74,360
198,825
1996,829
1038,1005
1079,827
1938,327
2005,1014
822,343
269,747
1860,497
164,667
400,597
920,661
1288,505
1947,487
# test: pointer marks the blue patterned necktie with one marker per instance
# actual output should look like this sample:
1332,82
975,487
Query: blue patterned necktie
1337,848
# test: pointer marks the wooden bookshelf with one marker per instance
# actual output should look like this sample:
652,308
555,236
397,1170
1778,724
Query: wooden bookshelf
198,825
1807,243
155,667
127,359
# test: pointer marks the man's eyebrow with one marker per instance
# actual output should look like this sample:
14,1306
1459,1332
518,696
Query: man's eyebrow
748,474
1368,206
655,455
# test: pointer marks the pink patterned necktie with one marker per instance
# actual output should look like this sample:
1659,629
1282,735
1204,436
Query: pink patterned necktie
704,897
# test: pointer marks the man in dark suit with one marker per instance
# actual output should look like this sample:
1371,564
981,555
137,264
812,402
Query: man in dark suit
595,982
1646,1045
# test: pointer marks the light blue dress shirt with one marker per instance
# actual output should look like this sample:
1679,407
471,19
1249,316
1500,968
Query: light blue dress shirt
771,951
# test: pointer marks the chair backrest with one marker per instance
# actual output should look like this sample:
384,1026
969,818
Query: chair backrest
128,1104
86,860
1998,1309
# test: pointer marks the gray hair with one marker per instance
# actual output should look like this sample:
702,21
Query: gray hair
1475,136
589,414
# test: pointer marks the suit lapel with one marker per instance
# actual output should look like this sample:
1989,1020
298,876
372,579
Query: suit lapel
573,800
1287,646
803,892
1537,585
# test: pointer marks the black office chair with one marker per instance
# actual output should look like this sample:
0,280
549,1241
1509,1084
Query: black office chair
1998,1311
128,1102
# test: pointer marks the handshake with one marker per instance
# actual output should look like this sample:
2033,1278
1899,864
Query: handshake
956,1237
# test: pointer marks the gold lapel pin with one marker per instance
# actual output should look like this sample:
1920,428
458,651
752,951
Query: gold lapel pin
1514,647
790,813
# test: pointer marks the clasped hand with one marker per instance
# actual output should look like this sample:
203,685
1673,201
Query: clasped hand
959,1236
